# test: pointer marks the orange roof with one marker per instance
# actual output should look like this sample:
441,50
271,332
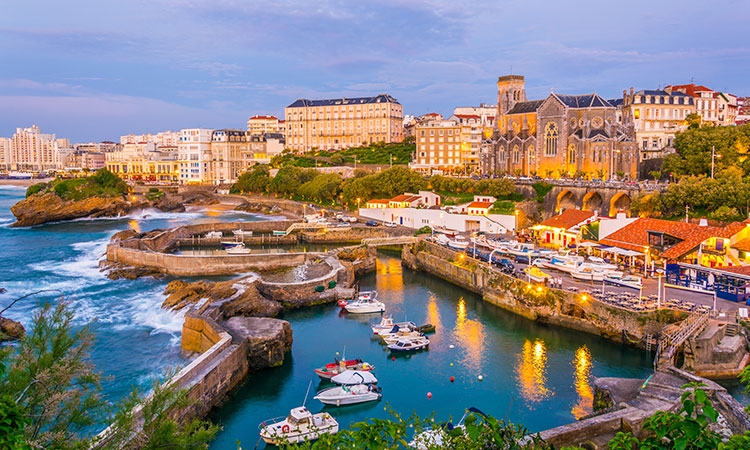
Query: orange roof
568,219
742,270
743,245
690,89
467,116
484,205
382,200
634,236
264,117
405,198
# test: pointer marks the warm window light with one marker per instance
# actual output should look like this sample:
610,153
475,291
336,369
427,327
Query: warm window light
539,289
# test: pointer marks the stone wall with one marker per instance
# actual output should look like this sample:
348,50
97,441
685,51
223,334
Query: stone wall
553,306
302,293
189,265
352,234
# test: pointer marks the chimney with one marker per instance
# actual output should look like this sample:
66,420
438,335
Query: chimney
703,222
621,215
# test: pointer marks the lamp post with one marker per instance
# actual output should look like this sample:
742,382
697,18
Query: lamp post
713,159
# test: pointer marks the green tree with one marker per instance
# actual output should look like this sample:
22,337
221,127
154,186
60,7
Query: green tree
254,180
323,188
646,205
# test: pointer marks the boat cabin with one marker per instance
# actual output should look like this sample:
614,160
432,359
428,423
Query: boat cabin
299,416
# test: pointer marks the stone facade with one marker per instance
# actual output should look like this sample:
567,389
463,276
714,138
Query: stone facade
561,135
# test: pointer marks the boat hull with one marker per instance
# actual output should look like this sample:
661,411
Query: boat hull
337,397
354,308
331,370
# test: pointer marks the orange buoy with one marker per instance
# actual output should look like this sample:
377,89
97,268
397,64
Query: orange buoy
453,379
429,395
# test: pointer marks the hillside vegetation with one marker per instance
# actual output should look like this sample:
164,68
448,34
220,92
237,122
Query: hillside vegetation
102,184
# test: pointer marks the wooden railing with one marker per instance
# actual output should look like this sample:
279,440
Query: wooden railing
672,341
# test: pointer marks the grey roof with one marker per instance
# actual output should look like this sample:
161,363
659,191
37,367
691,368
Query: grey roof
584,101
526,107
594,133
661,92
381,98
616,102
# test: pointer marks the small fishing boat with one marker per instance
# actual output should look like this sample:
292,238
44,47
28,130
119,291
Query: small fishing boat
332,369
242,233
442,239
386,325
584,273
238,250
458,243
619,279
229,244
426,328
364,295
535,274
410,345
349,395
365,306
401,334
299,426
214,235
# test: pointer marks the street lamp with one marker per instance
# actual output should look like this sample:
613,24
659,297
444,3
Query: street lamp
713,159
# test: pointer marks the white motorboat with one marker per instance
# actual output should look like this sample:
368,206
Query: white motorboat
619,279
214,235
410,345
299,426
599,263
238,250
364,306
350,377
458,243
349,394
242,233
386,325
401,334
589,274
229,244
442,239
337,367
564,263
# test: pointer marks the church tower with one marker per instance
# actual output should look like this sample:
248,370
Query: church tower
511,89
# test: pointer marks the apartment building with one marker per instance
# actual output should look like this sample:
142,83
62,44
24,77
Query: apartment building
706,105
229,152
146,170
85,160
32,150
439,147
656,115
260,125
333,124
728,108
194,155
485,112
163,138
4,153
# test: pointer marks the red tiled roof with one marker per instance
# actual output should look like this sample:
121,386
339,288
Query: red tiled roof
405,198
690,89
743,245
467,116
634,236
568,219
742,270
382,200
485,205
431,114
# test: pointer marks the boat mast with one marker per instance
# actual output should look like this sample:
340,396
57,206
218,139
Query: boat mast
308,392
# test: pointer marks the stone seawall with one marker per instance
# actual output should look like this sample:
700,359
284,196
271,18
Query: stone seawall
352,234
188,265
553,306
303,293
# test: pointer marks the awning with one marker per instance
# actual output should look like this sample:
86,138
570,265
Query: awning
621,251
590,244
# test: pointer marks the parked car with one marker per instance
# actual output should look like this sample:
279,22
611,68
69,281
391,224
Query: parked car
505,266
390,225
371,223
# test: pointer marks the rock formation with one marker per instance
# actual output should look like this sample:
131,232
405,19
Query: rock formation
10,329
234,297
269,339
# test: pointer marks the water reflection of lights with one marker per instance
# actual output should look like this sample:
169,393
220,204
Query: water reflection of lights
582,383
390,280
213,213
470,335
531,371
433,316
134,225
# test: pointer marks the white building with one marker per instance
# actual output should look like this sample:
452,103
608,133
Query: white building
31,150
194,154
485,112
4,153
419,217
161,139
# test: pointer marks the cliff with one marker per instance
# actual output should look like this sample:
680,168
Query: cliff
10,330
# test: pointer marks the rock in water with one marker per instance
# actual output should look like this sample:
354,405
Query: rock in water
49,207
10,330
268,339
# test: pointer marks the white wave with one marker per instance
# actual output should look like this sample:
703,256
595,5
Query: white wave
155,214
6,220
84,265
12,187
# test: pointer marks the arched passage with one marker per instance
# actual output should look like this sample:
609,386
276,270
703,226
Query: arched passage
619,202
565,200
592,201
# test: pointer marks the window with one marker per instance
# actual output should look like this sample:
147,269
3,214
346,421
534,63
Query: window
637,114
550,139
516,155
572,154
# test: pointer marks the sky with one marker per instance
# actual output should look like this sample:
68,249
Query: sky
93,70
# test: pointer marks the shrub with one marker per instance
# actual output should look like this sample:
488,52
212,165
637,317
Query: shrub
424,230
35,188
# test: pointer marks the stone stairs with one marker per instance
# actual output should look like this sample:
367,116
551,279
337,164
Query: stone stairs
731,329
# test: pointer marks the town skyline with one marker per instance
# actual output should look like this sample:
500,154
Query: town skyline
92,74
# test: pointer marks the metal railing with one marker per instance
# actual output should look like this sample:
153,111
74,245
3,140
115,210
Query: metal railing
672,341
395,240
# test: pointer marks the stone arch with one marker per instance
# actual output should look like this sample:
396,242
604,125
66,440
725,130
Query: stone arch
620,202
565,200
592,201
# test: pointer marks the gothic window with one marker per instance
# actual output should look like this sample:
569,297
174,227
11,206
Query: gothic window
531,155
516,154
502,153
572,154
550,139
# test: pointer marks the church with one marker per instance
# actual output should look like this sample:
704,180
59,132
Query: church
560,136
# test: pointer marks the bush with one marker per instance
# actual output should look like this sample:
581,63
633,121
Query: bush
724,214
503,207
424,230
35,188
542,189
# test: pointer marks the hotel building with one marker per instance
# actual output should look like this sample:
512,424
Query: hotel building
342,123
31,150
657,115
703,98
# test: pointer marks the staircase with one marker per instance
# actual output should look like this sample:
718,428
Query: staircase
731,329
672,341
